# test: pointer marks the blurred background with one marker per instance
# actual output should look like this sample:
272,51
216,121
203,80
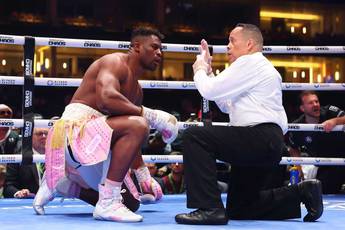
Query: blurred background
297,23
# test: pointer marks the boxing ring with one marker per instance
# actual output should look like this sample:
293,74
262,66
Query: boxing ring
76,214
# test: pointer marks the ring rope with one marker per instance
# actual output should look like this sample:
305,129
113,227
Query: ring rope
17,158
148,84
44,123
169,47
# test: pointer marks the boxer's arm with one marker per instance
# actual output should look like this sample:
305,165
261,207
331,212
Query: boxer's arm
109,98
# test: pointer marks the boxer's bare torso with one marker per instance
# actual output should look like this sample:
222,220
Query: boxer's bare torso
110,85
108,75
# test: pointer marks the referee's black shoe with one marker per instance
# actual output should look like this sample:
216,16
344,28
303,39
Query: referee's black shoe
211,216
311,196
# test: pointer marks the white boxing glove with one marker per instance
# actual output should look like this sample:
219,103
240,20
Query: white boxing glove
151,191
164,122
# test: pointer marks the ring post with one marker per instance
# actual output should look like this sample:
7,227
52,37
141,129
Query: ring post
28,93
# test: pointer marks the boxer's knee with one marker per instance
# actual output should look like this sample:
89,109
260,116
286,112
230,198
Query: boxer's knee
138,126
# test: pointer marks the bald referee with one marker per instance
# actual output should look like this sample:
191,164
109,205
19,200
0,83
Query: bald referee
250,91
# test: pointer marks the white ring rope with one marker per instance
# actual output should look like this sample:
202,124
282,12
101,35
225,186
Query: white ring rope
148,84
17,158
42,123
169,47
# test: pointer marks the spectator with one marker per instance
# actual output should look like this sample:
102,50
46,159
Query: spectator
319,144
22,181
2,179
9,139
173,183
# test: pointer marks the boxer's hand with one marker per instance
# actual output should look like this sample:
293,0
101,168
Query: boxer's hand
164,122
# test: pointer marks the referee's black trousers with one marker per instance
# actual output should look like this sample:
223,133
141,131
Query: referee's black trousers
254,154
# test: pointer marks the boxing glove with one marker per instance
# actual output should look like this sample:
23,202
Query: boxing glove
164,122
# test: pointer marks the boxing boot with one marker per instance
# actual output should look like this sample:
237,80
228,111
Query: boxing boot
110,207
43,196
65,187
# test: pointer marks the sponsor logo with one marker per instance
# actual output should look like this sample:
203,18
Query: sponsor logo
7,40
292,86
205,106
6,123
318,128
163,158
288,159
294,127
322,48
164,47
343,85
50,124
293,48
333,108
325,160
163,84
27,128
57,83
191,48
153,158
10,159
7,82
188,84
56,42
343,128
123,46
28,98
92,44
317,160
267,49
322,85
187,125
28,67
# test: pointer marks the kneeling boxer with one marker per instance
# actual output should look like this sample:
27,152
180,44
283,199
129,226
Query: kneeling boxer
101,132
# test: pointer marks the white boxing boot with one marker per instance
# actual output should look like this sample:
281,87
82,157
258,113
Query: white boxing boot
65,187
43,196
110,206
